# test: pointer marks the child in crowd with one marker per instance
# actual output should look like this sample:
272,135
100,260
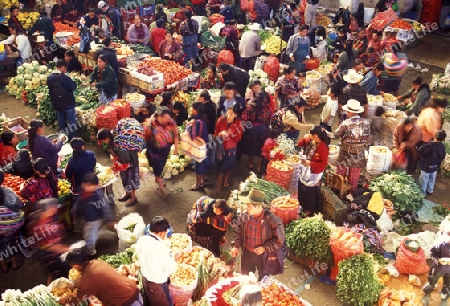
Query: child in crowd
431,155
179,113
377,127
330,109
93,207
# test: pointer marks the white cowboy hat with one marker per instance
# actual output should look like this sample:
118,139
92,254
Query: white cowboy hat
255,27
353,106
40,39
101,4
353,77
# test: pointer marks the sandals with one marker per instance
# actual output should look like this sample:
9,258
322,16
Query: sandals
196,188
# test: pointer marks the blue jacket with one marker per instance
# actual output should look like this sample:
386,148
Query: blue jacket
431,155
93,207
68,99
370,83
77,168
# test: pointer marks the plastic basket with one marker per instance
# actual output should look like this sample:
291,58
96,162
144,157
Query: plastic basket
216,43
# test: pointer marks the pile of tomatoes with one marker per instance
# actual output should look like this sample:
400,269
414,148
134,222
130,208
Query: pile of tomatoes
274,295
173,72
13,182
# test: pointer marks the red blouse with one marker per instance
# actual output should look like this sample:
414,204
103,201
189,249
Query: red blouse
319,161
7,155
235,130
37,188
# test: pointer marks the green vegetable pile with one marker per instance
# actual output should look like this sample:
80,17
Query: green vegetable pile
310,237
271,190
357,283
123,258
131,227
401,189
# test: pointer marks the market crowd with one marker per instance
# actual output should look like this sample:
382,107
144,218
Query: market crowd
365,62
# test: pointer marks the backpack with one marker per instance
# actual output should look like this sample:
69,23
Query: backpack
276,121
59,94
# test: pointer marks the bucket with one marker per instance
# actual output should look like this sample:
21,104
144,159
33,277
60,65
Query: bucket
368,14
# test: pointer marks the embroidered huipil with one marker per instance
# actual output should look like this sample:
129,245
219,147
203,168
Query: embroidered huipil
354,130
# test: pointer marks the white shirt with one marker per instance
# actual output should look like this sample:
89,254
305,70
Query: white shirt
157,264
23,45
330,108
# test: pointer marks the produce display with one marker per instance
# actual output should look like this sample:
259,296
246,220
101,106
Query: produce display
440,83
27,19
124,50
390,296
310,237
63,290
74,275
357,283
280,165
172,71
274,293
63,187
39,295
285,202
401,189
271,190
131,271
126,257
180,241
263,77
274,45
185,275
105,175
13,182
389,97
62,27
401,24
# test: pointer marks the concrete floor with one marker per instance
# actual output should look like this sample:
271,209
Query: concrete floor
180,200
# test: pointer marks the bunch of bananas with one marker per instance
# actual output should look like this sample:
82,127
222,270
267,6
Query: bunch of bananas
27,19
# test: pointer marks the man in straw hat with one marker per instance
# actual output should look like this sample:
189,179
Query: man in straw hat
356,91
256,232
355,133
250,46
42,53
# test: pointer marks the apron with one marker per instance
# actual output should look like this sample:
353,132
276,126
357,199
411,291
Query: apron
299,56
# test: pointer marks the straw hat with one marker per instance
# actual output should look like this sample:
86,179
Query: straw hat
40,39
255,197
353,77
353,106
255,27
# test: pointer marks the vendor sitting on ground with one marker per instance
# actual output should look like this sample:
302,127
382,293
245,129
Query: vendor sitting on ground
41,53
294,118
207,222
101,280
72,63
138,32
416,97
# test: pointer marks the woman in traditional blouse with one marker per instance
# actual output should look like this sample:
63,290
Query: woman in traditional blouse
315,152
170,49
189,30
160,132
42,185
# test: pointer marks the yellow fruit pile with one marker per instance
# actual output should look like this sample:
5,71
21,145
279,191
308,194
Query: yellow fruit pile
63,188
27,19
185,275
8,3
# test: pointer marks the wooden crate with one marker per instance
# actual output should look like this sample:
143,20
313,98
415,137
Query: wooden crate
149,87
8,125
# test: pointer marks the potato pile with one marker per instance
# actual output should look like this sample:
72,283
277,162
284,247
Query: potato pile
185,275
285,202
280,165
74,275
180,241
64,291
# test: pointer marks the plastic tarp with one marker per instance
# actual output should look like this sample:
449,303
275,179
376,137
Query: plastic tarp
392,240
426,213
